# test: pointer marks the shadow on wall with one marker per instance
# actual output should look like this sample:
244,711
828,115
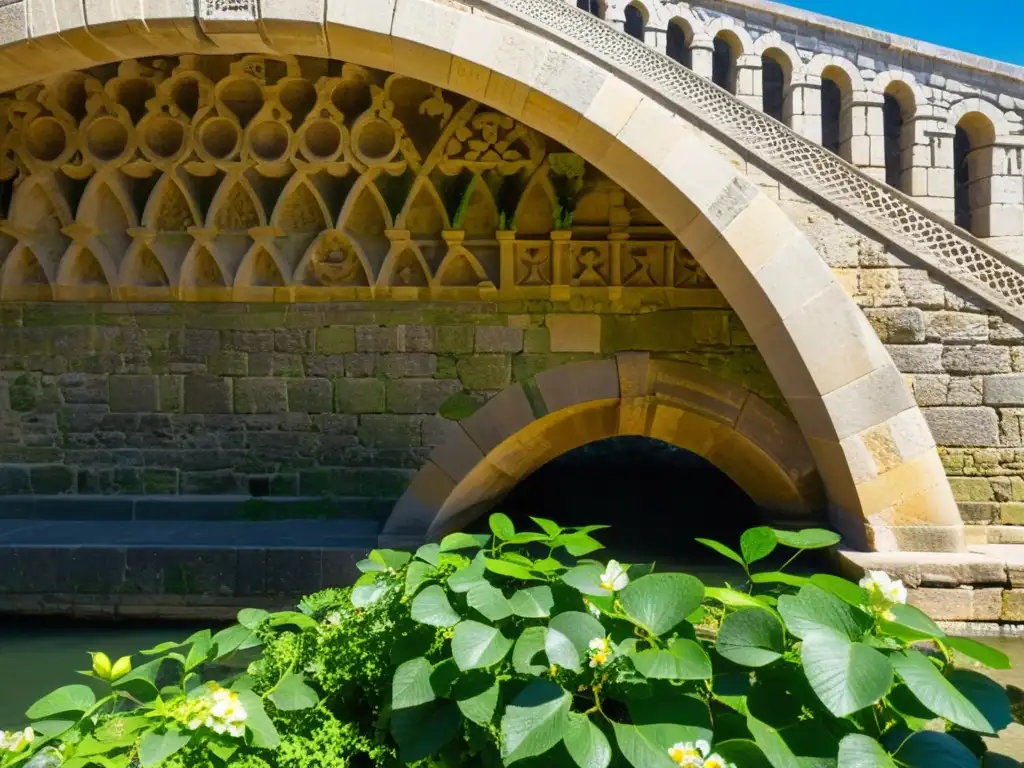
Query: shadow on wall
656,497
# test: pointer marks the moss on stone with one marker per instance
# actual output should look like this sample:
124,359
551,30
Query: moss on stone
459,406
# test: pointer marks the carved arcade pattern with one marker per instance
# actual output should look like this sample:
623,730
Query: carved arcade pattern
276,179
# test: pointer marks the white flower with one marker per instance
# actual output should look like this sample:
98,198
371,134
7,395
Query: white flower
690,753
15,741
600,651
334,619
883,591
717,761
592,609
219,709
614,577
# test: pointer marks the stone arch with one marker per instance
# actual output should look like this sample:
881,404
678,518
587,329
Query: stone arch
900,100
738,36
886,486
783,51
985,109
567,407
822,61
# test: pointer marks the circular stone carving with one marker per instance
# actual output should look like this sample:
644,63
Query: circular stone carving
321,140
106,139
269,141
375,141
164,137
47,139
219,137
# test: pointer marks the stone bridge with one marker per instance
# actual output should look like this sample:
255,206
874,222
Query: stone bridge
397,255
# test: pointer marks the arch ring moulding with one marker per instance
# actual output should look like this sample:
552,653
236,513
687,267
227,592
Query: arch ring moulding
881,470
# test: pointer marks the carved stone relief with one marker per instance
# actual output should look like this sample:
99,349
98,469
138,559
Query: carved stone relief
276,179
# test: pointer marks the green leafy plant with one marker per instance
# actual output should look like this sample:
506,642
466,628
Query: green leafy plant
520,648
566,174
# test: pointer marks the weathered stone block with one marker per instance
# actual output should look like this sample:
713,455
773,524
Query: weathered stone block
325,366
83,388
406,365
1006,389
212,482
485,371
360,365
294,340
207,394
971,489
980,358
963,427
419,395
959,604
538,340
53,479
978,512
897,325
310,396
171,394
359,395
261,395
134,394
498,338
964,391
335,341
573,333
930,389
14,480
1013,605
956,327
916,358
249,341
454,339
228,362
275,364
1011,513
371,338
390,431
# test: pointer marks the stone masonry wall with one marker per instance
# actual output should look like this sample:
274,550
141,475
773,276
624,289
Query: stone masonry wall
323,400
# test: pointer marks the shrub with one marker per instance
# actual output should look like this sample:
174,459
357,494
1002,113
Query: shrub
518,648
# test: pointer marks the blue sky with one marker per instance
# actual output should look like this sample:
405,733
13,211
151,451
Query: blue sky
993,28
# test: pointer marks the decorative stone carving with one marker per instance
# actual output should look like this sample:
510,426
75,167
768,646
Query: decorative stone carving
255,178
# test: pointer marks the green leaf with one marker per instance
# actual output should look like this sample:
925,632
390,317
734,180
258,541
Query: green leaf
410,685
549,527
264,734
813,609
141,681
535,721
466,578
527,537
293,619
578,543
907,616
70,698
200,651
846,676
808,538
778,577
233,639
533,603
251,618
723,550
365,595
929,749
660,601
422,731
647,746
937,693
460,540
502,526
292,694
528,645
476,645
429,553
370,566
155,748
586,743
774,747
742,752
734,598
547,565
568,638
512,570
586,579
684,660
988,696
751,637
390,558
859,751
477,697
431,607
757,543
987,655
845,590
416,575
489,601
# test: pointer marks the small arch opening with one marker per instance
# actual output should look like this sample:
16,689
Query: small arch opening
636,20
677,43
775,79
972,169
897,111
593,7
723,61
656,497
836,127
